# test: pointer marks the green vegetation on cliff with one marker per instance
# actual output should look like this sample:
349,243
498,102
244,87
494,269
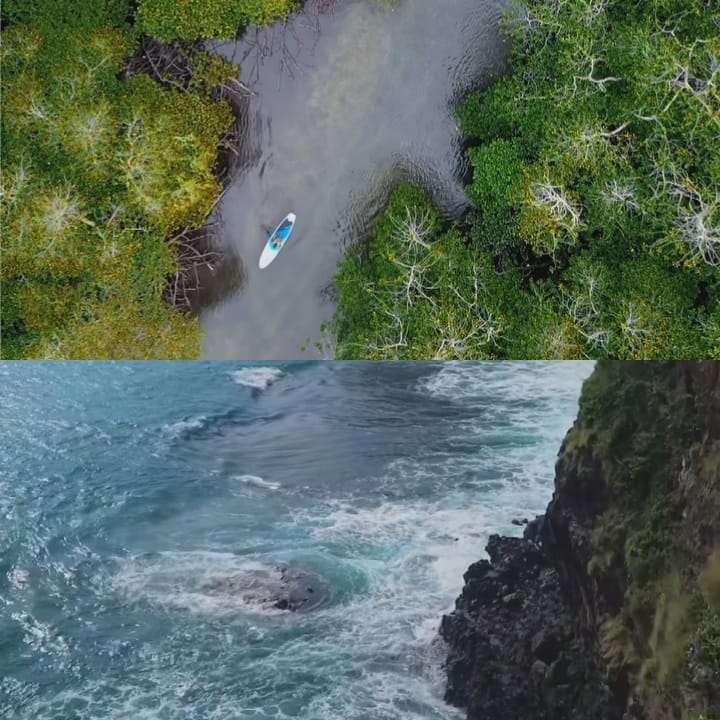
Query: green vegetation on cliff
596,223
101,172
646,448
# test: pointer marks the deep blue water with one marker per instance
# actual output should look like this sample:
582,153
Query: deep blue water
139,500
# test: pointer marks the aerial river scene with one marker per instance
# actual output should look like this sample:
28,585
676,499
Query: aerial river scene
345,105
360,179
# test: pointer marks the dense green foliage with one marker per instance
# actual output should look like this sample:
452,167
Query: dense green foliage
420,292
97,173
171,19
596,228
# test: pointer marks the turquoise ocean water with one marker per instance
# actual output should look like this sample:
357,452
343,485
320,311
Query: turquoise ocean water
146,507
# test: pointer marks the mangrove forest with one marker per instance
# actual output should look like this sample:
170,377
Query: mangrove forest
593,226
595,223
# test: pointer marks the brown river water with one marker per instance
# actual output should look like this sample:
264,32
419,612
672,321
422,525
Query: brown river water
345,106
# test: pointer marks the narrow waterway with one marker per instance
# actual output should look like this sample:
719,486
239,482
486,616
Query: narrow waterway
345,104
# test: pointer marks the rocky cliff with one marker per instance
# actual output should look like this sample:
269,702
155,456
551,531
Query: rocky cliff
609,607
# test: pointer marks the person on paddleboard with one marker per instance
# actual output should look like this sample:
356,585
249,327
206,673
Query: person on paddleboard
279,238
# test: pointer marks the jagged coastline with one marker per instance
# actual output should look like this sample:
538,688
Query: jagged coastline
609,607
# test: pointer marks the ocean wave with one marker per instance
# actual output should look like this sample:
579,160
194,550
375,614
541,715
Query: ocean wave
259,378
435,541
517,381
511,414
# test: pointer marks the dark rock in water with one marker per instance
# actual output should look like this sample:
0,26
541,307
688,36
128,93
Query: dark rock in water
282,588
300,591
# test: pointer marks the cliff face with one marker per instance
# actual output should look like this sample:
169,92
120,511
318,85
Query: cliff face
609,607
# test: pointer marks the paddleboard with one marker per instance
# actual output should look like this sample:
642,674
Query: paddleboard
277,241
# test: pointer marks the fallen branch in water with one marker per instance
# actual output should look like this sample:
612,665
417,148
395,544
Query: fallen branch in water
192,246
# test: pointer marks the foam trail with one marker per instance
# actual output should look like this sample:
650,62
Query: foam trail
258,482
185,426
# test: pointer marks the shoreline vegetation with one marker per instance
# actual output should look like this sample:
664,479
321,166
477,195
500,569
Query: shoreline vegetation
595,223
112,139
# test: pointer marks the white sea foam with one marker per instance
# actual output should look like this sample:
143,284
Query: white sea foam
40,636
19,578
258,482
165,693
181,427
260,378
204,583
525,408
512,381
439,541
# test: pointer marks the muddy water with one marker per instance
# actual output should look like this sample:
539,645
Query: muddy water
345,105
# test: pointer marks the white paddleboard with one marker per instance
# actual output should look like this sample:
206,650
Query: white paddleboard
277,240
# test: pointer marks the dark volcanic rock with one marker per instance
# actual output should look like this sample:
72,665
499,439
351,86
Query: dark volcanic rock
514,659
533,530
300,591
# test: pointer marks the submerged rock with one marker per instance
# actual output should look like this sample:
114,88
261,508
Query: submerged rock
278,587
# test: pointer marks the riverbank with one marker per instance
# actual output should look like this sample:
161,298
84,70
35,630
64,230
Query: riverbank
107,234
609,607
594,227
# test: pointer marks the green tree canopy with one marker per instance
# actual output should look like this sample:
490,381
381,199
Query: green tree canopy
98,173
